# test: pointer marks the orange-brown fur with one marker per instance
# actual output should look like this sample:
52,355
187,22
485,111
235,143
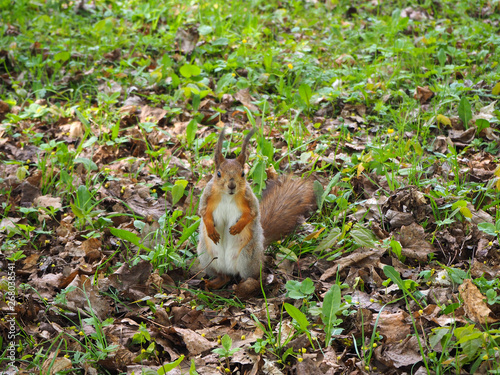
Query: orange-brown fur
212,203
285,202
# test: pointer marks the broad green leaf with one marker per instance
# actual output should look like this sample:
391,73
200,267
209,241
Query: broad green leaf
285,253
83,198
464,111
329,240
394,275
78,213
496,89
196,102
298,315
299,289
191,130
192,368
225,81
441,56
62,56
305,93
466,212
266,148
396,248
318,193
83,120
226,342
21,173
88,164
482,124
259,174
268,61
170,366
250,117
487,228
437,336
417,147
205,29
126,235
188,70
307,286
178,190
363,237
221,42
175,80
458,204
89,142
331,306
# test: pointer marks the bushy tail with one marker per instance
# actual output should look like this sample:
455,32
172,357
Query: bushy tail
284,205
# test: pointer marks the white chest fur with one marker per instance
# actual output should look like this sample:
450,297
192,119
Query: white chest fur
227,250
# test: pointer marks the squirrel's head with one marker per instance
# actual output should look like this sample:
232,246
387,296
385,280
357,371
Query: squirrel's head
229,174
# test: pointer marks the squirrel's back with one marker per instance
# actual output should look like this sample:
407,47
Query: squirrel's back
285,202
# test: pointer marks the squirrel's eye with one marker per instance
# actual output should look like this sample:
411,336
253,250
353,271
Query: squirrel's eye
218,174
242,174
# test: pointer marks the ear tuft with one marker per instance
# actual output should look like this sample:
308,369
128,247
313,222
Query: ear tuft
242,157
219,158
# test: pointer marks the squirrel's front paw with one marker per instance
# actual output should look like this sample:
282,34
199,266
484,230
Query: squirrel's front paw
214,236
235,229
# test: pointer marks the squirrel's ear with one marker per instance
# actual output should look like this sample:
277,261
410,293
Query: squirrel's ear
219,158
242,157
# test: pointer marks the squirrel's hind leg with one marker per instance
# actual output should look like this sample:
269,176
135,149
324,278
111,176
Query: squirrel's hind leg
218,282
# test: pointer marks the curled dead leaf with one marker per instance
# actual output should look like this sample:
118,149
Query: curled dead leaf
423,94
475,307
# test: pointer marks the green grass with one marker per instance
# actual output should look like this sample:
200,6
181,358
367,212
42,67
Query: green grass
332,88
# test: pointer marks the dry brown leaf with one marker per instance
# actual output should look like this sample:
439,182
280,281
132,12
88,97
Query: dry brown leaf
131,281
412,239
8,223
85,296
345,59
51,366
196,344
423,94
48,201
475,307
361,256
244,97
186,39
486,113
401,354
392,326
76,130
150,114
462,136
4,107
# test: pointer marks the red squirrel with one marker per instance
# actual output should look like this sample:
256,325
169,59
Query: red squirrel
235,229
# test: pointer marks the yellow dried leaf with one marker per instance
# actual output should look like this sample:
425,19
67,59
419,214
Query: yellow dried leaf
496,89
442,119
466,212
360,169
314,235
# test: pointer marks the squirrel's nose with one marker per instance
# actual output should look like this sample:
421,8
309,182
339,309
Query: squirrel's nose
231,185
